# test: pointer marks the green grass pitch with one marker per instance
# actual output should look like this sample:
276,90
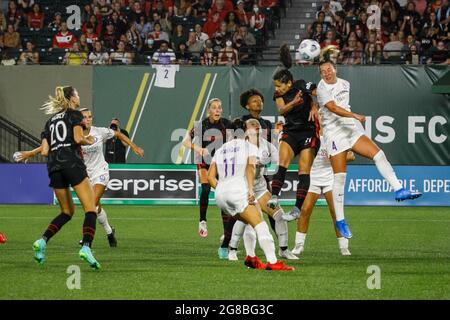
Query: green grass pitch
160,256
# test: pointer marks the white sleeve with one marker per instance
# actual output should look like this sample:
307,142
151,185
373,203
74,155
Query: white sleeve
252,150
324,96
106,133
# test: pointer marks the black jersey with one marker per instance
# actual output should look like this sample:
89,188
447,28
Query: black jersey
265,125
64,153
297,118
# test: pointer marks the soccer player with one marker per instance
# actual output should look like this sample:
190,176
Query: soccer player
212,134
61,142
341,135
267,154
234,164
97,167
321,183
300,134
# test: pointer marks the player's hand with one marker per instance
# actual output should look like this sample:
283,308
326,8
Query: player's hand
204,152
139,151
22,156
298,99
251,198
90,140
360,117
314,113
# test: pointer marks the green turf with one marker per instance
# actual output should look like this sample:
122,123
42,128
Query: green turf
160,256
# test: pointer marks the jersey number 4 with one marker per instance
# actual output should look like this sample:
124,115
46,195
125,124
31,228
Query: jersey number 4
58,131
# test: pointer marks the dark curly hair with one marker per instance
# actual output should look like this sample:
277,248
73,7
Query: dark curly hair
245,96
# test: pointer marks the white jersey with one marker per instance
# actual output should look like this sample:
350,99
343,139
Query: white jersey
165,75
340,94
231,159
267,154
93,154
321,171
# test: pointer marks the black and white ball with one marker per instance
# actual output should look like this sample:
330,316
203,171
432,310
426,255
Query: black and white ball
308,50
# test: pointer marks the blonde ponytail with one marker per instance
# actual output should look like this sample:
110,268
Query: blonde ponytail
329,54
59,102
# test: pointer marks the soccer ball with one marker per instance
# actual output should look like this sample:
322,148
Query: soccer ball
17,156
309,50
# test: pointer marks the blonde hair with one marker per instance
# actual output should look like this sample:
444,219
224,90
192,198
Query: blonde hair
60,102
329,54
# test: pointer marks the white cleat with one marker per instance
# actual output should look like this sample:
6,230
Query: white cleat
345,252
202,229
232,255
298,249
287,254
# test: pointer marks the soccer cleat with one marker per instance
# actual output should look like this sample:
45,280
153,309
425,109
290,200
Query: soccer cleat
343,228
2,238
232,255
345,252
287,254
291,215
278,266
273,202
254,263
202,229
403,194
223,253
39,251
86,255
112,239
298,249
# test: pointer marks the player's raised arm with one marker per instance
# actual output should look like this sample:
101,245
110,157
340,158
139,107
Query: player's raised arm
333,107
79,137
212,175
188,143
137,150
25,155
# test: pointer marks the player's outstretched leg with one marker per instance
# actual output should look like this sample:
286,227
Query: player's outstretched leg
88,236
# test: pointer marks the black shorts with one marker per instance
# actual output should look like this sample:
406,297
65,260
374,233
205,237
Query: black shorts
64,178
299,140
203,166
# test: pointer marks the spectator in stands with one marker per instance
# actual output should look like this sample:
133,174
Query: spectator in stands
412,55
218,43
447,40
136,12
317,33
115,151
183,55
389,10
97,27
320,20
119,8
30,55
158,35
134,38
36,18
351,53
393,48
164,55
75,57
228,56
410,12
57,20
91,37
222,7
64,39
14,16
409,25
105,8
164,23
161,10
167,5
411,40
248,38
329,39
373,53
327,11
443,13
194,46
128,46
340,24
245,57
110,37
212,25
433,23
179,36
200,35
208,56
182,8
257,19
25,6
120,24
121,56
232,22
223,31
98,56
86,13
143,27
439,55
428,40
201,8
267,3
2,22
241,14
10,39
84,45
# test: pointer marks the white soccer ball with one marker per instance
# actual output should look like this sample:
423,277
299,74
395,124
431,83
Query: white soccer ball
309,50
16,156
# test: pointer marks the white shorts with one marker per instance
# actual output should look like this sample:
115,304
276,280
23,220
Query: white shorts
102,179
320,189
232,197
260,187
341,139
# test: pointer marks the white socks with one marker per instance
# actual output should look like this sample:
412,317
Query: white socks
281,228
338,194
250,240
300,238
103,220
386,170
266,241
343,243
236,234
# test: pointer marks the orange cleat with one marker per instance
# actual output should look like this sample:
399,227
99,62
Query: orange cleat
2,238
278,266
254,263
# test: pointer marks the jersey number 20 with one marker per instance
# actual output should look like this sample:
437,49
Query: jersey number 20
59,130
